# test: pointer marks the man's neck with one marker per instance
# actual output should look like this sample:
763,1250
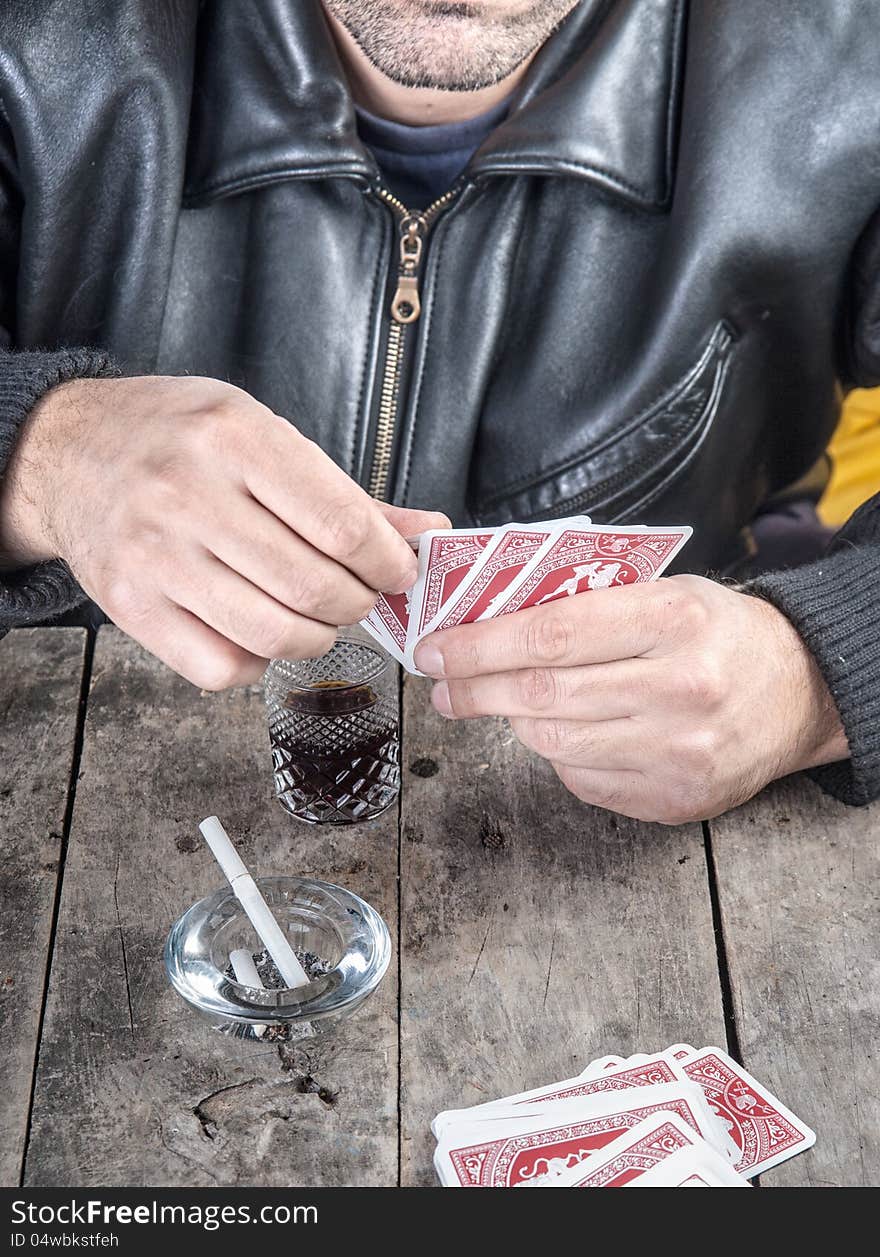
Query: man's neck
413,106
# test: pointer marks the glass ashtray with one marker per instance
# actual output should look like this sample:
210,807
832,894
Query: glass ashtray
328,921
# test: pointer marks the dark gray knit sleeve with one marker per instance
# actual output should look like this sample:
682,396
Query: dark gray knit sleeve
835,606
33,594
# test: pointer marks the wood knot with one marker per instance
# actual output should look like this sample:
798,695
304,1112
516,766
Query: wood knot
424,767
491,834
307,1085
303,1080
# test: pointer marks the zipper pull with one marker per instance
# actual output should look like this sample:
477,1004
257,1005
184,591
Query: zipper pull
406,305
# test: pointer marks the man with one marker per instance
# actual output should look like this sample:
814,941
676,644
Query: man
508,259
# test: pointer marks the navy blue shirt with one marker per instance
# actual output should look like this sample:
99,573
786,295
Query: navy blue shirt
419,164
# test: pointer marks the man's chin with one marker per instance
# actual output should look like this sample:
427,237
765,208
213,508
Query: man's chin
454,82
446,47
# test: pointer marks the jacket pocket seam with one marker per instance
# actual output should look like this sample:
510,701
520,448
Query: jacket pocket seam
724,330
708,414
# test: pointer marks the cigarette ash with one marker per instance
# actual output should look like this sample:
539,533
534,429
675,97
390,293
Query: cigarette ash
287,1032
315,967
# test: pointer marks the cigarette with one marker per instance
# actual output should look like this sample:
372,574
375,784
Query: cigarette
258,912
246,973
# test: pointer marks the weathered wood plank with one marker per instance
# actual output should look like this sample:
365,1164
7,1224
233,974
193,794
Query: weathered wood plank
799,889
536,933
133,1088
40,679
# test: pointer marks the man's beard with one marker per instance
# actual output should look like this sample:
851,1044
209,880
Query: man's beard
446,45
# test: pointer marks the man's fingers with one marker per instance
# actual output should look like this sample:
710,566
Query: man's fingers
256,544
624,792
296,481
241,612
605,744
602,691
192,649
598,692
595,627
409,523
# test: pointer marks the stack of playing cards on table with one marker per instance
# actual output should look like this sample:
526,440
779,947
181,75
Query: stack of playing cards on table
468,574
686,1117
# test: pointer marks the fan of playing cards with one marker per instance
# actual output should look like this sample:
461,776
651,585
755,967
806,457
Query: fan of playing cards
686,1117
470,574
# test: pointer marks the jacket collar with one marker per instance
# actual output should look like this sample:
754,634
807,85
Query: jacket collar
271,102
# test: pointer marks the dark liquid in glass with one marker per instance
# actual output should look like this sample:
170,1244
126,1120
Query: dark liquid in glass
336,759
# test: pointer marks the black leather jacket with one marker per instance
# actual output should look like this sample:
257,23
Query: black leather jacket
641,299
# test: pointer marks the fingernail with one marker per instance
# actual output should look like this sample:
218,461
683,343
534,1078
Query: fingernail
441,700
428,659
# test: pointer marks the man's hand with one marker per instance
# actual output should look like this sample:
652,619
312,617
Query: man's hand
668,702
204,525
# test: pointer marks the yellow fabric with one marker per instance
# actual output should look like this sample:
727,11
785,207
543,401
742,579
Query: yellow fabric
855,454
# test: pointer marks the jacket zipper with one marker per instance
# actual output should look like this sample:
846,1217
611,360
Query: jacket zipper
406,307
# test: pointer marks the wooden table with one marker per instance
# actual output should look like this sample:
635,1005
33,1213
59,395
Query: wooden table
531,934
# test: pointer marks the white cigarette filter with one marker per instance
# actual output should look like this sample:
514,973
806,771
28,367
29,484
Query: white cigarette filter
244,968
246,973
258,911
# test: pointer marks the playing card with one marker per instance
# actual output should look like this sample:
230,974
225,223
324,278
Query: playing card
512,548
388,623
695,1166
512,1151
375,626
446,556
489,580
646,1145
576,560
648,1072
764,1130
635,1071
601,1063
